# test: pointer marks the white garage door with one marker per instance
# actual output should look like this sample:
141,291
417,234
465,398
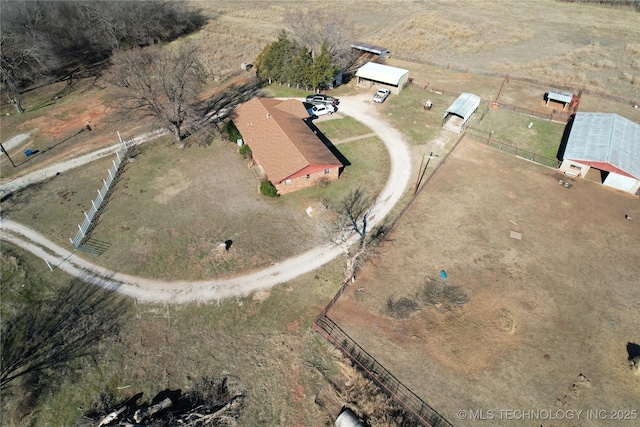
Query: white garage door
620,182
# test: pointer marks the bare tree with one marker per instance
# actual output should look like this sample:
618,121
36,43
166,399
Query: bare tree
351,231
22,61
160,82
312,28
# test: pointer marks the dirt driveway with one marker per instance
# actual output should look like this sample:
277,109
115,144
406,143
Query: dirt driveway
552,277
184,291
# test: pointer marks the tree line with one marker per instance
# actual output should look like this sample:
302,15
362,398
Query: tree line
126,39
41,40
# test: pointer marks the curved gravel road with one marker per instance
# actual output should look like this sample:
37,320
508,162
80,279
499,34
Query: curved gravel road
359,107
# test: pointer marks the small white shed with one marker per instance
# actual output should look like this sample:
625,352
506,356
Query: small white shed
373,73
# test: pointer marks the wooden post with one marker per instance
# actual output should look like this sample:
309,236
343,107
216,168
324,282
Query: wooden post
415,190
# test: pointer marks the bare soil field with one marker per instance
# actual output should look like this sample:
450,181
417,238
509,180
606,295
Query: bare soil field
552,307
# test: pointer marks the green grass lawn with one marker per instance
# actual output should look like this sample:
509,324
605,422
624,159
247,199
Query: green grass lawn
542,137
339,129
406,113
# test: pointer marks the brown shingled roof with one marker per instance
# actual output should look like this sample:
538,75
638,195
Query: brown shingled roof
280,140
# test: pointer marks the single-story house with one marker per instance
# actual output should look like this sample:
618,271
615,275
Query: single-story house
460,112
289,152
372,73
608,143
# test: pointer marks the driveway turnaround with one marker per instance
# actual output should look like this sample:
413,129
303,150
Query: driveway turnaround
149,290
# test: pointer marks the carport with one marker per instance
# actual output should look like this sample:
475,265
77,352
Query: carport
460,112
608,143
372,73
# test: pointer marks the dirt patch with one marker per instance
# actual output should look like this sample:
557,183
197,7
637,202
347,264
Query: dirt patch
549,314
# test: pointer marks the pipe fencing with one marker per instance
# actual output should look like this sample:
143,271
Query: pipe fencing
87,225
414,406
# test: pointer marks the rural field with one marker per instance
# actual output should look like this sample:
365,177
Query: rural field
549,273
550,311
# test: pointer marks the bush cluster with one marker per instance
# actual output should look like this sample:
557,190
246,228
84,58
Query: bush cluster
267,189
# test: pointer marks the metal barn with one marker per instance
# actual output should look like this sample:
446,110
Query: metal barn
608,143
372,73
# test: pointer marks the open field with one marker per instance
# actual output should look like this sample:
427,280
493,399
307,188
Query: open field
544,310
559,303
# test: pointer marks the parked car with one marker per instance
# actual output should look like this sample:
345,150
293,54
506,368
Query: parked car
320,98
321,110
381,95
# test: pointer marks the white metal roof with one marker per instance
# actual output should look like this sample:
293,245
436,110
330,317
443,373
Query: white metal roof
464,106
605,137
381,73
556,95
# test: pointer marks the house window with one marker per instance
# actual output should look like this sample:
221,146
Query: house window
287,182
326,171
308,176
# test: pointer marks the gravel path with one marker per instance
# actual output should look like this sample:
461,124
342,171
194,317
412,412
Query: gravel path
359,107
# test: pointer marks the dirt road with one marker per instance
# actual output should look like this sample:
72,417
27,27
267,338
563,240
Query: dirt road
143,289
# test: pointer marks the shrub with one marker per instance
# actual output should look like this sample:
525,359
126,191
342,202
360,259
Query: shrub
245,151
232,131
401,308
437,293
267,189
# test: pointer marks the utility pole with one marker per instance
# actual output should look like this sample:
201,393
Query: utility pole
8,157
421,171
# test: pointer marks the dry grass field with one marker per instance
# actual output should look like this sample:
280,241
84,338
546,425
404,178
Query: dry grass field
545,310
549,316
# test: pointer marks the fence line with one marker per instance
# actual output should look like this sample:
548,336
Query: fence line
107,186
522,79
485,137
555,115
384,379
413,404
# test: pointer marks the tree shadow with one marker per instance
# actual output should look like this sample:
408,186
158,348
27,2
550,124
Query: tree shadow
46,338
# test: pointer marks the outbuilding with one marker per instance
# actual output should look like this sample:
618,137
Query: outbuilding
370,49
608,143
460,112
564,98
372,73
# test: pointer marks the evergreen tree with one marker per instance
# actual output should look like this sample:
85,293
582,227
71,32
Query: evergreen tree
322,70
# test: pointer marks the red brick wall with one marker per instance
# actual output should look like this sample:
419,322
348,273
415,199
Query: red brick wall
304,182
